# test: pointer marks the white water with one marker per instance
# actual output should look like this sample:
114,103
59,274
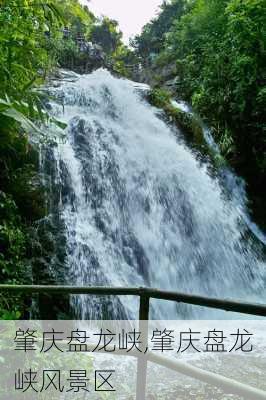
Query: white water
234,184
140,209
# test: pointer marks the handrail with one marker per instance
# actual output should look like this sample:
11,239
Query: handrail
197,300
228,385
145,294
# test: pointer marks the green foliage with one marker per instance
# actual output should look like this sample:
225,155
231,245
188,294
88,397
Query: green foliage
76,17
153,34
26,58
78,21
106,34
21,203
218,49
31,44
69,54
123,58
189,123
159,98
12,254
102,32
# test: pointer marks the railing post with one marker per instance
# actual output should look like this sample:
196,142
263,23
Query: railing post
142,359
144,307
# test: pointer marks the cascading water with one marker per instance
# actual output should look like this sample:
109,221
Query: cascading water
140,209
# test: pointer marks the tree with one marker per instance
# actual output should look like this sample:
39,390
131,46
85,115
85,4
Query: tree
106,34
218,50
25,59
152,38
77,18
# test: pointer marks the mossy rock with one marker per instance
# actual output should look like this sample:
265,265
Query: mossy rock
159,98
189,123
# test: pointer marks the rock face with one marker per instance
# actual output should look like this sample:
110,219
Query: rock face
165,77
49,242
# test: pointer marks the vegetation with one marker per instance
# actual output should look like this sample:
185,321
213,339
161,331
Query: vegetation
34,39
30,37
106,34
213,50
25,61
217,51
152,38
83,28
188,122
78,22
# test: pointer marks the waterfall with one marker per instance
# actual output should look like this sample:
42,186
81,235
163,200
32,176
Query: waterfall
140,208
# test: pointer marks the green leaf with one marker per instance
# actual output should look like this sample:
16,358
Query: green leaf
21,119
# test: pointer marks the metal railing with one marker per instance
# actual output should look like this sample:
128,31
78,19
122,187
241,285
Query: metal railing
145,294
